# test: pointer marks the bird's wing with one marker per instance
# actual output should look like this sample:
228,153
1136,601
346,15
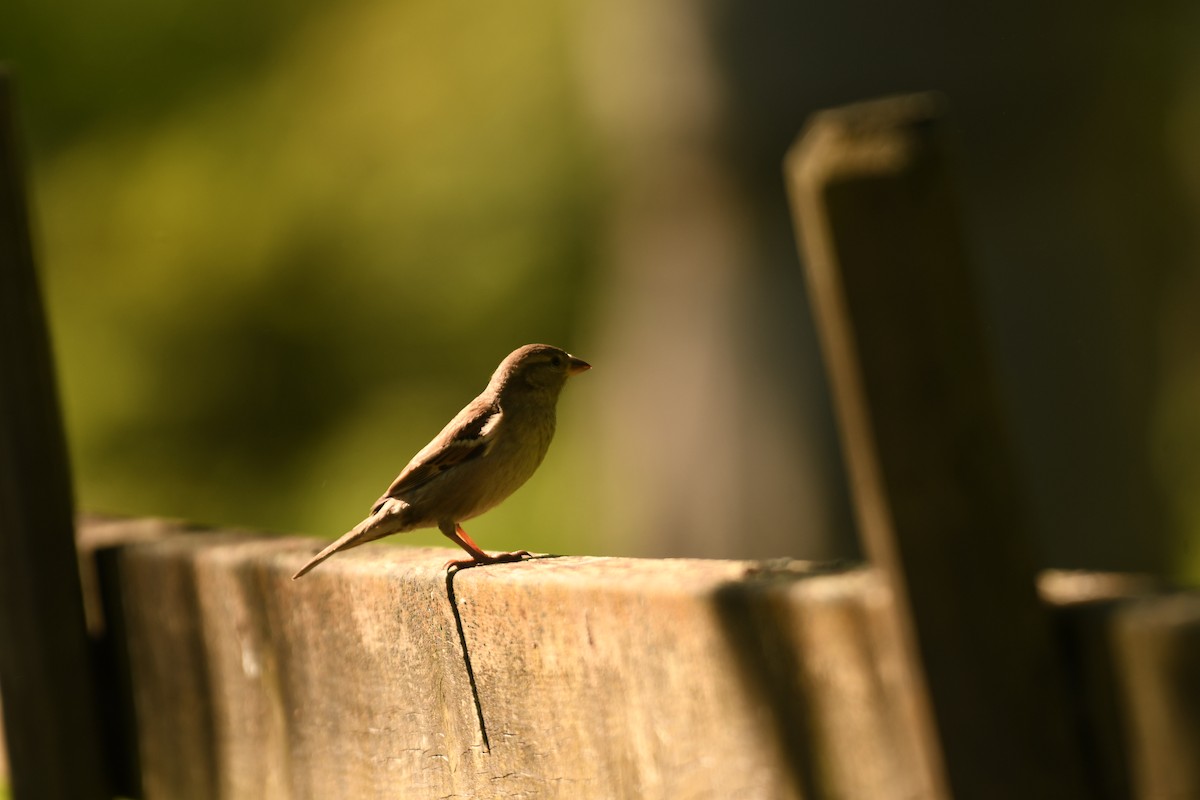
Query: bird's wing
468,436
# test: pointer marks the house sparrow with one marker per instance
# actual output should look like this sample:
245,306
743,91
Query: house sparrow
481,457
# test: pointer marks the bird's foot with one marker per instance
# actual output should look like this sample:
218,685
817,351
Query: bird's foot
488,558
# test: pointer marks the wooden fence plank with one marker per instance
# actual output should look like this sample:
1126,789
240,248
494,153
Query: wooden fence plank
50,719
1085,605
1157,660
588,677
928,459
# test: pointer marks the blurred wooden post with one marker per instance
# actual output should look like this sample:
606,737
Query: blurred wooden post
1157,658
50,719
926,449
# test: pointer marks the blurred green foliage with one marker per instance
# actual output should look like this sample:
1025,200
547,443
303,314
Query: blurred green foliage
283,243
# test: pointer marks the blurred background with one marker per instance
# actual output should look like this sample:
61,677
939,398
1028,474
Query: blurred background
282,243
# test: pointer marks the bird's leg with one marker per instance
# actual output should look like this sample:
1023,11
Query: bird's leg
460,537
478,555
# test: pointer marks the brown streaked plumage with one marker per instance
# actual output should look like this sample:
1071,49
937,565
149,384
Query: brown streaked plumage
481,457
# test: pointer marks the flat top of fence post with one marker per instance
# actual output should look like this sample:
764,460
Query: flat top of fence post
934,489
49,713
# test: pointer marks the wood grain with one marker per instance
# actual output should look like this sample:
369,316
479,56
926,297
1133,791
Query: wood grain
589,677
593,678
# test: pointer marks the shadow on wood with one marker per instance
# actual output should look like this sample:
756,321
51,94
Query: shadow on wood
814,648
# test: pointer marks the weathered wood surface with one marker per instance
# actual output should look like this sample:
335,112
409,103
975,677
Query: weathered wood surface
50,719
924,441
587,677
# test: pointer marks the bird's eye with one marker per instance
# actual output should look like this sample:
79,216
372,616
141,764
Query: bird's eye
556,361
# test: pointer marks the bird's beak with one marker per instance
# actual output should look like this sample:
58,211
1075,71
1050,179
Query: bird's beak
577,365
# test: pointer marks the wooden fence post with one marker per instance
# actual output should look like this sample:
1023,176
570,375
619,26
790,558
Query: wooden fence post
925,446
1157,653
50,718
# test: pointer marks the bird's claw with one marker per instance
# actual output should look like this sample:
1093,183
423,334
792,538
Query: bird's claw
496,558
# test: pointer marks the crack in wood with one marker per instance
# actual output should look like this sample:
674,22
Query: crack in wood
462,639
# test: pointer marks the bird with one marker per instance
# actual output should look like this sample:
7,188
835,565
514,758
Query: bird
481,457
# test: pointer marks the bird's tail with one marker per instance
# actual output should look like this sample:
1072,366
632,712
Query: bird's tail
387,520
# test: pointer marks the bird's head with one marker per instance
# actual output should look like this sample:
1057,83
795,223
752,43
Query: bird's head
540,367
